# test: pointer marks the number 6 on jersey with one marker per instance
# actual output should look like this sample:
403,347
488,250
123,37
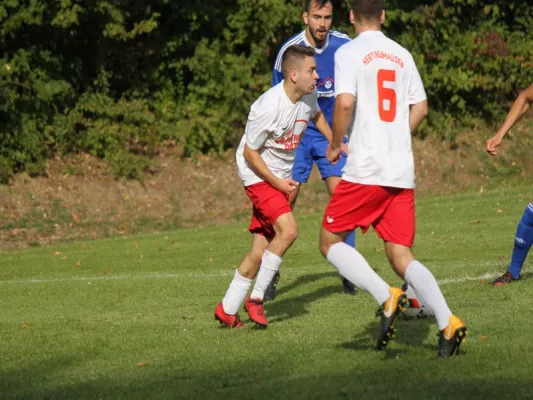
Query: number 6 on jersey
386,95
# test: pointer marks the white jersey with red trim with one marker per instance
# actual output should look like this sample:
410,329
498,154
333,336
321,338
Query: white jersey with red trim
275,127
383,77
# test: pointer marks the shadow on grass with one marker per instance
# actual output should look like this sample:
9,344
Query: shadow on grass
395,379
526,275
282,309
304,280
411,332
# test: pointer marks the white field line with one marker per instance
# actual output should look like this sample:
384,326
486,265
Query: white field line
218,274
122,277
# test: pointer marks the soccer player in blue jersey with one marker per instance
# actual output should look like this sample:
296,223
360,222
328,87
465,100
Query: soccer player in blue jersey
317,17
524,231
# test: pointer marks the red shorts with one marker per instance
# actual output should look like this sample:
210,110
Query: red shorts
269,204
391,211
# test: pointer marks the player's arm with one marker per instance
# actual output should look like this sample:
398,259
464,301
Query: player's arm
417,113
322,125
258,165
342,117
417,98
257,131
345,93
519,108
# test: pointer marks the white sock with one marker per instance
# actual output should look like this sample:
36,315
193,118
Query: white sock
237,291
269,266
426,287
352,265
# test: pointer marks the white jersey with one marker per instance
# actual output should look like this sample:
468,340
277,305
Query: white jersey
383,77
275,127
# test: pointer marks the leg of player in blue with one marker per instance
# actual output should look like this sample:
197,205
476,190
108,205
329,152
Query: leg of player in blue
522,243
350,239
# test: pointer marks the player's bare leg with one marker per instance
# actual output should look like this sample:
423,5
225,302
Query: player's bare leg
452,329
251,262
286,231
270,292
293,196
399,257
331,183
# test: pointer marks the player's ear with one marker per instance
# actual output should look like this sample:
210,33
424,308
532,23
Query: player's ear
352,17
293,75
305,17
382,18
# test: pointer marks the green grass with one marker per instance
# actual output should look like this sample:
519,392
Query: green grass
77,319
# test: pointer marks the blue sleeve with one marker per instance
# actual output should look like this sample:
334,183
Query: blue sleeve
277,77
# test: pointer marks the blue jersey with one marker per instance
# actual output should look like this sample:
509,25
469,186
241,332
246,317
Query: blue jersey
325,62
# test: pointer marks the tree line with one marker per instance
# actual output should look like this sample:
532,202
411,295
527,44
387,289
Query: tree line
117,79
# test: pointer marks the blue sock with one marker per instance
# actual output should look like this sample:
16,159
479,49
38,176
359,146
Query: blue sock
523,241
350,239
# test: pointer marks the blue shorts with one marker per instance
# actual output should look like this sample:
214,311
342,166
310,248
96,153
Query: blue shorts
312,149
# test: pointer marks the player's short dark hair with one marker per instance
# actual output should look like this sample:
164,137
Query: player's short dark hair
319,3
293,53
368,9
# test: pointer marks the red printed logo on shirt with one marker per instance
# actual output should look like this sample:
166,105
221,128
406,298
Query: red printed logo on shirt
291,138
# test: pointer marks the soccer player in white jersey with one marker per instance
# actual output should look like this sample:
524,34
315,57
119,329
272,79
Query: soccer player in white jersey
524,231
317,17
377,186
265,157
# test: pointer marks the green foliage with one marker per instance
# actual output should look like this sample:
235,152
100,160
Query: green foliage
6,170
127,164
116,78
473,55
122,132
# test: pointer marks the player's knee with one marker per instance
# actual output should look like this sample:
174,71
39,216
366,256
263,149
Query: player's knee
289,233
324,243
324,248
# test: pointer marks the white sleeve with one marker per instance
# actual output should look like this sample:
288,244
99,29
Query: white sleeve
345,74
416,87
258,126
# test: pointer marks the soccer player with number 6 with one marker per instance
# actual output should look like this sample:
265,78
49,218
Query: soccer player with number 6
377,187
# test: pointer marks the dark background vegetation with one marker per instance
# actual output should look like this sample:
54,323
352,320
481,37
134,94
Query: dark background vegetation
119,79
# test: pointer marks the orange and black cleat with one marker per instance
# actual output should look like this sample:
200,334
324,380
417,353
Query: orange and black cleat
256,311
232,321
388,312
451,337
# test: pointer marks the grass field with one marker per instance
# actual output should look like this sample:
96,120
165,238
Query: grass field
133,317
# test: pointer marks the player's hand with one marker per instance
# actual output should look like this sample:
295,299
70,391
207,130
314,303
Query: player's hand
333,154
286,185
493,143
344,149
